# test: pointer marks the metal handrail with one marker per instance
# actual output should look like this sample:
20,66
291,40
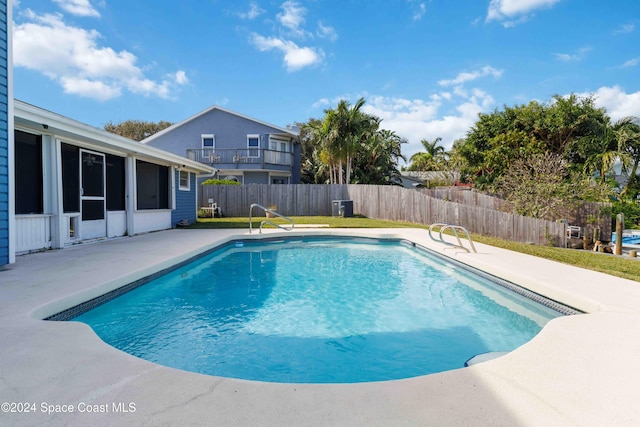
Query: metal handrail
454,229
255,205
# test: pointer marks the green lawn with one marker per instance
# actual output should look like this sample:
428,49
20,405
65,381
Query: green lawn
610,264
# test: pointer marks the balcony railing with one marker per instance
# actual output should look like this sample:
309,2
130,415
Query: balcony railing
214,156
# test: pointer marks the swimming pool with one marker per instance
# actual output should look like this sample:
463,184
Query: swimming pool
631,237
316,311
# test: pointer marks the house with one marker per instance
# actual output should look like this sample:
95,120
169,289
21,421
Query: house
74,182
239,147
418,179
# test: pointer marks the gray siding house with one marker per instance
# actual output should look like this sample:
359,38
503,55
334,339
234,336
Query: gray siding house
239,147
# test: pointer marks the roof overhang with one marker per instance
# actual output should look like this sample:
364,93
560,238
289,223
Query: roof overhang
292,133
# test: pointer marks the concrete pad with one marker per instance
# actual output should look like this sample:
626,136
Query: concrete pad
580,370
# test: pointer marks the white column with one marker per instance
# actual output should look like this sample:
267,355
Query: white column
52,189
173,171
130,201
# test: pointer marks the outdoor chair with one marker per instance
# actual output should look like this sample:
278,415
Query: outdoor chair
573,231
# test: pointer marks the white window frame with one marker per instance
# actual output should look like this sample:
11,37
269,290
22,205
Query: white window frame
275,144
249,148
180,186
208,136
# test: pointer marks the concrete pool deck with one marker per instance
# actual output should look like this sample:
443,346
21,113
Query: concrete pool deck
580,370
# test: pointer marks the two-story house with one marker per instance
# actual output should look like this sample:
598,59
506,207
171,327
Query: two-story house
241,148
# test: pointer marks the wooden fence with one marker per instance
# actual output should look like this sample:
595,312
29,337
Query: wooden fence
588,216
384,202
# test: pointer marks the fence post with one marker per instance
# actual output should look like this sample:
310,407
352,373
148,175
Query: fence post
619,228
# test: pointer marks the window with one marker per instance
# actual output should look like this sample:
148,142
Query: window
253,144
152,185
184,180
208,141
28,173
115,183
70,178
277,144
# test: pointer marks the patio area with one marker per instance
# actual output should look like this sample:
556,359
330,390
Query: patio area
580,370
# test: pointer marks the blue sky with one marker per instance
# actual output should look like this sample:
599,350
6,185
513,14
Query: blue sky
427,68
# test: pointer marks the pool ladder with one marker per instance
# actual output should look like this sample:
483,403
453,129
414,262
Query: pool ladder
454,229
255,205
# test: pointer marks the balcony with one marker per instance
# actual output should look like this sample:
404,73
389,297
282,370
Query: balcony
226,157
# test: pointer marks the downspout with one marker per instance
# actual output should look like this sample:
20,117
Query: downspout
198,176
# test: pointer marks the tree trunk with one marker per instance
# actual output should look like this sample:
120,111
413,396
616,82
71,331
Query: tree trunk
632,178
619,230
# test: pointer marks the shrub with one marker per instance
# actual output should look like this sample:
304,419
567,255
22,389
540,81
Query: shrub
631,211
204,213
220,182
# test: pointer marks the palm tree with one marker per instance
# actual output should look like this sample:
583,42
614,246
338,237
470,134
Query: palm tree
431,158
377,159
628,136
608,145
353,128
340,134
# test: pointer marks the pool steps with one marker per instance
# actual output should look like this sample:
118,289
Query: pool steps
454,228
272,212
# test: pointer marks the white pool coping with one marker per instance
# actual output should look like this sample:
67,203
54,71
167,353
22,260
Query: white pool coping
580,370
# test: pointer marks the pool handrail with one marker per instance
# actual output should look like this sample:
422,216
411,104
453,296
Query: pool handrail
454,228
271,211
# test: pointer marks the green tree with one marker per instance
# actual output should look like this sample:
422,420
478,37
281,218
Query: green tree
564,126
136,129
602,151
377,159
312,169
347,145
537,186
432,158
340,134
628,137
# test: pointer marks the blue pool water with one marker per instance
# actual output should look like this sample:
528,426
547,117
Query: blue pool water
632,239
317,311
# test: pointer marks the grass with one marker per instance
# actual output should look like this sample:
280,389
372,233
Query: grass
626,268
357,221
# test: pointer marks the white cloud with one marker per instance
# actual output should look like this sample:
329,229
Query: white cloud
295,57
513,12
253,12
573,57
417,119
78,7
631,63
89,88
320,103
624,29
446,115
618,103
326,32
71,56
181,77
292,17
419,9
465,77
